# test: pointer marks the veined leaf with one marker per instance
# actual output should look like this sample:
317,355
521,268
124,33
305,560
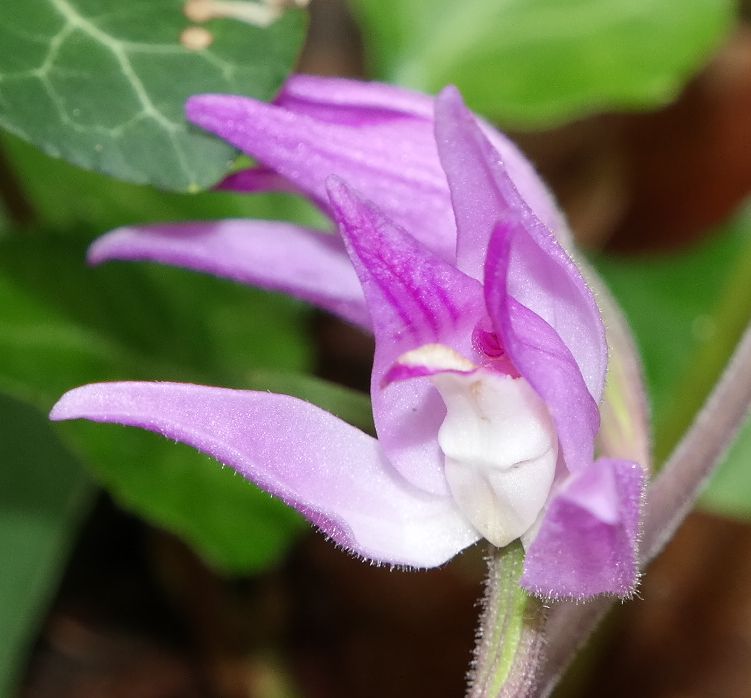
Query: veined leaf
102,83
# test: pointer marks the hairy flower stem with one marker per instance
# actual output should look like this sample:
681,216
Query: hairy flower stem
669,500
510,629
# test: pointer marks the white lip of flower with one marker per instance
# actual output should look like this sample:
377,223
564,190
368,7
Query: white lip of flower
499,443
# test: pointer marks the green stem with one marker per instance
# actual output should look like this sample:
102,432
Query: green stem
509,636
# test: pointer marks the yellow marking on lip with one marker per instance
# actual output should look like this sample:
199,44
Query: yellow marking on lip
436,357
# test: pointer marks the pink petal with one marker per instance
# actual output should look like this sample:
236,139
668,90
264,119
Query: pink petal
587,542
483,192
304,263
393,159
414,298
353,102
331,472
257,179
537,351
488,177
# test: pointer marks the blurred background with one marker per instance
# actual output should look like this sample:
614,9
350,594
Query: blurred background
131,566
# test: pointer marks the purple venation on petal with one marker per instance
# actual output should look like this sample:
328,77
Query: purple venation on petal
334,474
587,542
304,263
538,352
414,298
413,295
544,279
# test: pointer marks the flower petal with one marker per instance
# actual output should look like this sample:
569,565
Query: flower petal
536,349
624,411
501,451
587,542
257,179
352,102
414,298
484,191
332,473
394,159
488,176
304,263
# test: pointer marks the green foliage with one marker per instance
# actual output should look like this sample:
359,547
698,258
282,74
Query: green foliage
43,492
68,198
65,324
729,492
103,84
534,62
688,312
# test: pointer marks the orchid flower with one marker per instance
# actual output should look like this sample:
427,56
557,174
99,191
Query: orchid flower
490,356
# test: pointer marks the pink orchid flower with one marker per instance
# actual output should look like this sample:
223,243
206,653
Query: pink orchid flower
490,355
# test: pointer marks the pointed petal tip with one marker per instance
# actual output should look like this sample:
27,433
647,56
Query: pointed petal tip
209,110
102,249
73,404
126,244
59,411
345,202
450,108
449,95
296,452
337,188
197,104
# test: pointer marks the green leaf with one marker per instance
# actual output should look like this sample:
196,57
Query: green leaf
142,321
237,528
729,490
103,83
67,198
536,62
65,324
687,312
44,491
